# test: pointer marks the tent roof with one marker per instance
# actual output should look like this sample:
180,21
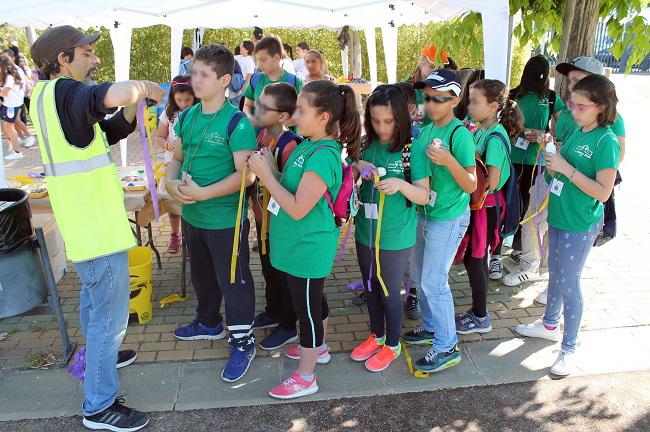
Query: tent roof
230,13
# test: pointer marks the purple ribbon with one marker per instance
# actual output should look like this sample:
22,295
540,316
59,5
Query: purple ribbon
78,367
148,167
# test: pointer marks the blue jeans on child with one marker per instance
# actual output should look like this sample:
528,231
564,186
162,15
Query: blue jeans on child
104,309
431,259
568,252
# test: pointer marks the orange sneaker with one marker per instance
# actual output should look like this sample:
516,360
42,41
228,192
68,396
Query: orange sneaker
366,349
382,359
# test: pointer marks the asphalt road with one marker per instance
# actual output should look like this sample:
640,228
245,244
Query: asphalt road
613,402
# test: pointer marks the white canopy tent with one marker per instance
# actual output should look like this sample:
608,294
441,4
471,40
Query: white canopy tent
121,16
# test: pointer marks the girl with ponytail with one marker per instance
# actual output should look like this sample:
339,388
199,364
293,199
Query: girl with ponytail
302,228
500,121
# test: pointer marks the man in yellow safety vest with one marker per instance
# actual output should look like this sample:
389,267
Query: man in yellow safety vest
88,203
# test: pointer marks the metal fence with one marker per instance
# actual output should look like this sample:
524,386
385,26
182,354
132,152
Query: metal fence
602,51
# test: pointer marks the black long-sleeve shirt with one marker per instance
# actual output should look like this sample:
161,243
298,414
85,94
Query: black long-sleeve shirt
80,106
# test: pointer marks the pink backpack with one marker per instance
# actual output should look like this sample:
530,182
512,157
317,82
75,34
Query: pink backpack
341,205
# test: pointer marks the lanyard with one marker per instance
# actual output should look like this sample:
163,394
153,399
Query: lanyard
198,144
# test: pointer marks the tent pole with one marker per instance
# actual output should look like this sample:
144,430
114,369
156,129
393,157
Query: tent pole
121,39
389,39
176,45
371,46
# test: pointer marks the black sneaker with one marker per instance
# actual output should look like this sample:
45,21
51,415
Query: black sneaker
117,418
413,311
361,299
516,256
125,358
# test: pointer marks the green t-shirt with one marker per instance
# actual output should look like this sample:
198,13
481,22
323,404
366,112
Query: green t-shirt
590,152
493,151
208,158
566,126
536,116
306,248
451,200
264,81
398,221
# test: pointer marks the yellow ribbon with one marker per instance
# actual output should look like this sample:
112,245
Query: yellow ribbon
382,198
235,242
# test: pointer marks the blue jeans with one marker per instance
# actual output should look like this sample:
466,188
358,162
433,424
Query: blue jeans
432,257
104,309
568,252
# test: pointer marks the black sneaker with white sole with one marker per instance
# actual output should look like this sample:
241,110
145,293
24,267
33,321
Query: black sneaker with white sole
413,310
117,418
125,358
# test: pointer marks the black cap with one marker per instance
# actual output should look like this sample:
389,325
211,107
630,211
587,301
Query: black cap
441,80
535,74
56,40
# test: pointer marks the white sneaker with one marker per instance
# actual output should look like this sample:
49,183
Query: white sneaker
14,155
565,364
516,278
538,330
541,297
29,141
496,268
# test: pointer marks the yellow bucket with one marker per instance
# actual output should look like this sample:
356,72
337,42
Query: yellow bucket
141,286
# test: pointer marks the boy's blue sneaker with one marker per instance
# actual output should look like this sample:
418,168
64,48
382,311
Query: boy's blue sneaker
197,331
279,337
435,361
419,336
239,362
469,323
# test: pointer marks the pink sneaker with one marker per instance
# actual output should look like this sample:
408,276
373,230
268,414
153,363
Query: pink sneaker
294,387
324,357
174,244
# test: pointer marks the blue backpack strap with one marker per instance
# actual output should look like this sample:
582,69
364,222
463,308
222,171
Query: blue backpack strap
234,121
510,183
255,80
291,79
285,138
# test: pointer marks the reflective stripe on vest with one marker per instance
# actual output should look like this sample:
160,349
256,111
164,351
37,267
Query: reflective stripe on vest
41,120
77,167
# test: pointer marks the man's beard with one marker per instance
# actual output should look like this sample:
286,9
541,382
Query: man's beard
89,75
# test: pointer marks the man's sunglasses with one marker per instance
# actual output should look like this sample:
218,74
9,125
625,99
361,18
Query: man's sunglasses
263,107
438,99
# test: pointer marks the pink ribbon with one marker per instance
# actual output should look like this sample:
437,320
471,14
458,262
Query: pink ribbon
148,166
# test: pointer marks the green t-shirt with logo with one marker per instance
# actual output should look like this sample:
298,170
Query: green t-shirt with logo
536,116
208,158
451,201
493,151
399,221
590,152
566,126
306,248
265,80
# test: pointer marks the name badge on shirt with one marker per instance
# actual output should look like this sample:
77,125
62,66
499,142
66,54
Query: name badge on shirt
556,187
273,207
371,210
432,197
186,176
521,143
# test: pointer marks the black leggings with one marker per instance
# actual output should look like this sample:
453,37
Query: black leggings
526,180
210,252
385,313
310,305
477,268
278,298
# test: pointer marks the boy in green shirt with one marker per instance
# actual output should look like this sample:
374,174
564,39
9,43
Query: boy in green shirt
268,55
206,175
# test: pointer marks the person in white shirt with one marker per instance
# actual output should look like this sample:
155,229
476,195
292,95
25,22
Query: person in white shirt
245,59
11,90
287,59
26,86
301,50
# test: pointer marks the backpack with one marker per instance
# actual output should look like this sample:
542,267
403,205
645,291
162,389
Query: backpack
285,138
237,82
232,124
407,152
340,206
477,198
510,223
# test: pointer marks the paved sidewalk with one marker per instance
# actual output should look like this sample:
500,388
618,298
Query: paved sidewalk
183,386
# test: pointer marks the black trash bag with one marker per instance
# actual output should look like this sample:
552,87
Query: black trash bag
15,220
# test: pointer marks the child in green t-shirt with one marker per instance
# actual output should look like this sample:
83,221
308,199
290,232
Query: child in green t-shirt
443,221
581,175
500,121
268,56
206,175
385,225
304,235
